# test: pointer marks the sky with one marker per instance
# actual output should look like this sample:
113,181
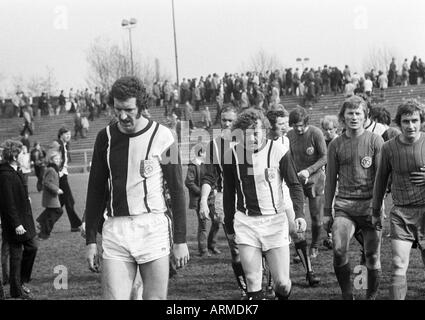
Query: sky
212,35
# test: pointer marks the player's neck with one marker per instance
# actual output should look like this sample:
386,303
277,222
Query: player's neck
354,132
408,140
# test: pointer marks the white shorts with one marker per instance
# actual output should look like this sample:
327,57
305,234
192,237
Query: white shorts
141,239
264,232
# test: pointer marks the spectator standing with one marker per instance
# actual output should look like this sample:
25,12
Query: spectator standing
383,83
38,156
28,124
18,227
50,198
66,199
392,73
24,161
195,174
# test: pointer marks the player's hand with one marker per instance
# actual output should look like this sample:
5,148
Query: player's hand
92,257
83,230
180,254
327,222
418,177
304,175
300,225
60,191
20,230
204,211
378,222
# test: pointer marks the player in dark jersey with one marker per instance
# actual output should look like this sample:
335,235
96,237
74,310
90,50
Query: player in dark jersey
213,179
255,171
329,125
404,159
279,122
308,149
131,160
352,161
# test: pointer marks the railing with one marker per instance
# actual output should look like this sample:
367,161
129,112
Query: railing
86,162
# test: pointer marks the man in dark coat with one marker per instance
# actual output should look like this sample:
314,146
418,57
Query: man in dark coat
18,227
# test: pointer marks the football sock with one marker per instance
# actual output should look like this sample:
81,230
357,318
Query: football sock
373,280
255,295
315,235
269,279
301,249
343,274
2,296
398,287
240,275
423,255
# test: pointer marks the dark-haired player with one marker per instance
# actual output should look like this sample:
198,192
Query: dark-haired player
131,160
329,125
352,162
404,159
308,148
213,179
279,122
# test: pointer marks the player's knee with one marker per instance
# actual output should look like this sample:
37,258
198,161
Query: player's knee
399,263
253,279
372,260
283,287
340,256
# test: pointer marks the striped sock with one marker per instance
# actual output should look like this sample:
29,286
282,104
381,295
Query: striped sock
398,287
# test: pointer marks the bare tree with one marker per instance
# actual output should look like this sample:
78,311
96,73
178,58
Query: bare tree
108,61
262,62
38,84
379,58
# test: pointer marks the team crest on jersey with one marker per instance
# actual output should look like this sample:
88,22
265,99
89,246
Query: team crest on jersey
271,174
146,168
366,162
310,151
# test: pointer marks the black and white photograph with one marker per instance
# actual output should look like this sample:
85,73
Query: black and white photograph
212,151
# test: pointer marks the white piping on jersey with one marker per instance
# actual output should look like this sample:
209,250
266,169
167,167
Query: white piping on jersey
218,155
108,152
240,180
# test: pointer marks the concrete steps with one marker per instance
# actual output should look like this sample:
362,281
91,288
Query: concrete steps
46,127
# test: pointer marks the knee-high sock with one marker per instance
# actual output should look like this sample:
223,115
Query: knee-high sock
343,275
398,287
240,275
269,279
315,235
373,280
301,249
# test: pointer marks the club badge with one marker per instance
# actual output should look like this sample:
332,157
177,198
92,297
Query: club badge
146,168
366,162
271,174
310,151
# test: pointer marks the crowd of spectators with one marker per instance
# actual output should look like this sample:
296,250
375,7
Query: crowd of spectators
262,89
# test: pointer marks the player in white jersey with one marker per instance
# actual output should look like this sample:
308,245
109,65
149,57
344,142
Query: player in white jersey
279,122
255,169
132,159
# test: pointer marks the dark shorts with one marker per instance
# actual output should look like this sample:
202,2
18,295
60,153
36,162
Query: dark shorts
358,211
408,224
315,185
